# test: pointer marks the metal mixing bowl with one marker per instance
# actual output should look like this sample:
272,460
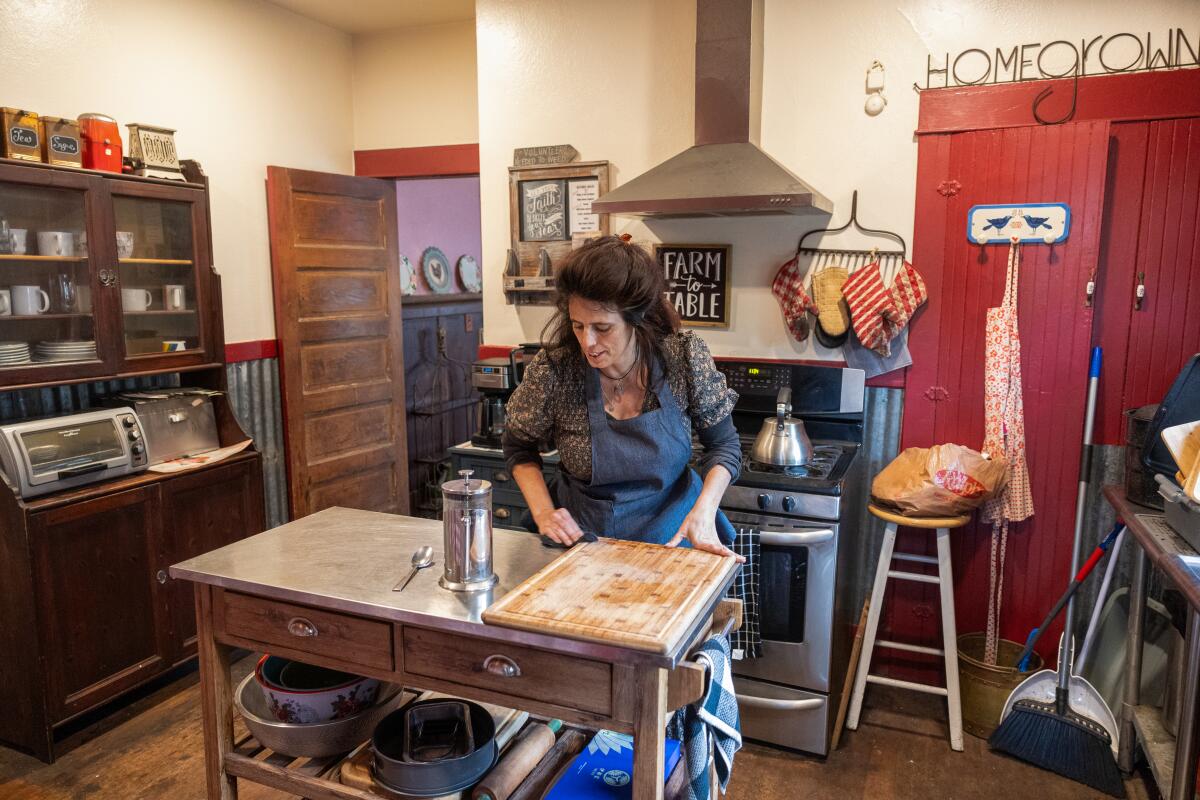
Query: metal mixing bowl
318,739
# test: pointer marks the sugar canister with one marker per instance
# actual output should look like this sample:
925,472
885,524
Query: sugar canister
467,534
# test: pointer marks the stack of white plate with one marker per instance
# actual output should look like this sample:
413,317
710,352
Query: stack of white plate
67,350
13,353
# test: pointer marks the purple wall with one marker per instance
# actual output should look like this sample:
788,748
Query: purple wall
438,212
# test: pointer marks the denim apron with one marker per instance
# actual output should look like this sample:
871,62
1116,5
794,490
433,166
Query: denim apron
641,486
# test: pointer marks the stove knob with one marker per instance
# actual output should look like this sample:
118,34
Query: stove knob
134,434
127,421
789,503
764,501
138,449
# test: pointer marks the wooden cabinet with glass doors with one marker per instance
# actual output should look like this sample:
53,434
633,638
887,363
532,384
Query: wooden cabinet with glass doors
103,276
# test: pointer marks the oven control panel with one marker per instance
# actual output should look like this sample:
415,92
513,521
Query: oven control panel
774,501
815,389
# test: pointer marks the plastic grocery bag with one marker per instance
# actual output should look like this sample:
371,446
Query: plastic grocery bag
940,481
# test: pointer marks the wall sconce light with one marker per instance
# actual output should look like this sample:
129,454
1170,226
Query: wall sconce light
875,99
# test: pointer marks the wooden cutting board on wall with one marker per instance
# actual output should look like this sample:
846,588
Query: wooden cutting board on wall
629,594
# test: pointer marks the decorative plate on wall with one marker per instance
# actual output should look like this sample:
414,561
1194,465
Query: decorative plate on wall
408,278
436,267
468,274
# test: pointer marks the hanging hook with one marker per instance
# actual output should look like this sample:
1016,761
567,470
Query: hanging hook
1049,90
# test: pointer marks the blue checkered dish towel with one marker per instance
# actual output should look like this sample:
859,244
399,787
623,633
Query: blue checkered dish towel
746,641
710,728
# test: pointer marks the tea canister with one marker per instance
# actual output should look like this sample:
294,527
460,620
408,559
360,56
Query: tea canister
467,534
60,142
22,137
101,142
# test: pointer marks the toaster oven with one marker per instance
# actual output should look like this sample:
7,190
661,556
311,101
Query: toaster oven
46,455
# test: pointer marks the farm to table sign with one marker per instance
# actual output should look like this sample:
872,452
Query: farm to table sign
697,282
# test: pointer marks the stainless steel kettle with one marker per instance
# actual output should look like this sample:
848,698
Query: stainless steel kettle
782,442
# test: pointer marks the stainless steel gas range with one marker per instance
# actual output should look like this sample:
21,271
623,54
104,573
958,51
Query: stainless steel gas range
805,518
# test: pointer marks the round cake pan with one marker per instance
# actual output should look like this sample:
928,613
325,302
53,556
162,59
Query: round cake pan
315,740
434,778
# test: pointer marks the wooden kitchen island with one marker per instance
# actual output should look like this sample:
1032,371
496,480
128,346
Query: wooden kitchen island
320,590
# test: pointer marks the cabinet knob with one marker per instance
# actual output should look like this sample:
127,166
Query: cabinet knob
502,477
502,513
162,576
501,666
299,626
108,277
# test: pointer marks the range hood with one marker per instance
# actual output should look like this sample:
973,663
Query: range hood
725,173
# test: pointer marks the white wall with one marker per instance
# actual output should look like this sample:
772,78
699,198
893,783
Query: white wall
246,84
415,87
615,80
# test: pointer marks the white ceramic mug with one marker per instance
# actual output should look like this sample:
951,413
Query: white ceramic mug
5,303
84,297
20,241
81,243
174,298
56,243
136,299
29,300
124,244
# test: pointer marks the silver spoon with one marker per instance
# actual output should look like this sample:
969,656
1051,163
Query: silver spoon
420,560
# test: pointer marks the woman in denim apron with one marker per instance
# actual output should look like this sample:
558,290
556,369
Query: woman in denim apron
618,391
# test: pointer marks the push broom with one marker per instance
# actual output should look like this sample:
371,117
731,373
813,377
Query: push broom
1052,734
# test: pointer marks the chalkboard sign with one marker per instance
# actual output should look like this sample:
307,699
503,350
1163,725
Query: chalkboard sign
543,211
697,282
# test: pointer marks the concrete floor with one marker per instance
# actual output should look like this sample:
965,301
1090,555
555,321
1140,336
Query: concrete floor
151,750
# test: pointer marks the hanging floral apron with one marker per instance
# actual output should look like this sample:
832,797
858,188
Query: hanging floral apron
1004,435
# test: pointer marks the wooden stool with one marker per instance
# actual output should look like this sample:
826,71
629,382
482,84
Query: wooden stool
949,649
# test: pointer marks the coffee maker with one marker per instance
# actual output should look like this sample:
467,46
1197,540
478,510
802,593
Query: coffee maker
495,379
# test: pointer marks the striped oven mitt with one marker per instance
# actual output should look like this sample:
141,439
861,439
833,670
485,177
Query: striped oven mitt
870,302
788,288
908,293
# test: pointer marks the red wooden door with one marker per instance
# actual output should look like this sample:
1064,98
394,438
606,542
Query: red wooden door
944,397
1151,229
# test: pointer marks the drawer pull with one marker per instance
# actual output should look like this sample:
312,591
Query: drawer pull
502,477
299,626
161,576
502,513
501,666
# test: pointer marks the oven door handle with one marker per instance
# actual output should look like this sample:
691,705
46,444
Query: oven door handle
807,704
787,538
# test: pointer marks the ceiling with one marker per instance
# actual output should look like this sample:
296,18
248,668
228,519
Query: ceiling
369,16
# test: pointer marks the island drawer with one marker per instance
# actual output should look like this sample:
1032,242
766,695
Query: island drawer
343,637
511,669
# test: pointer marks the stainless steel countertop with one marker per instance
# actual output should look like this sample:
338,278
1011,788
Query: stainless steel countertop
349,560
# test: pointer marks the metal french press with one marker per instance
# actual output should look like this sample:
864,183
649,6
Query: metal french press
467,532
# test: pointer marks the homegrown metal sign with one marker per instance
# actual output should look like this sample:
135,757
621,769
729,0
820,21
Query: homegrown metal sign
697,282
1101,55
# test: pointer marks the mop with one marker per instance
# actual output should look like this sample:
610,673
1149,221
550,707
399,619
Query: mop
1073,732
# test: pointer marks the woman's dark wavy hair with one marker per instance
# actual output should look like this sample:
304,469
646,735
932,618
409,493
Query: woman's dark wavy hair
623,277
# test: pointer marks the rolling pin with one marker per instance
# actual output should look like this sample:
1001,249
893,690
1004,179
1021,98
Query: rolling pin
518,762
543,775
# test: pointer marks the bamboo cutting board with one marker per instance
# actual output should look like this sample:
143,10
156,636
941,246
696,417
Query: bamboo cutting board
630,594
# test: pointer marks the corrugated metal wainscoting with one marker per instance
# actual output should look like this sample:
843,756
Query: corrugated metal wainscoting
254,396
57,400
881,442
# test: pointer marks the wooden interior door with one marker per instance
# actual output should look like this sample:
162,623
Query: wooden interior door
944,397
1151,231
338,322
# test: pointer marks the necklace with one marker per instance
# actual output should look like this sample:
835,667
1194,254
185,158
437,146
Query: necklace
618,386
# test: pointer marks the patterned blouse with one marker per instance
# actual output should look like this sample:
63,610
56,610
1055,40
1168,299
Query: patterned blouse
550,406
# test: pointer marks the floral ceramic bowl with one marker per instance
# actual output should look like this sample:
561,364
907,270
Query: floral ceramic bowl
300,694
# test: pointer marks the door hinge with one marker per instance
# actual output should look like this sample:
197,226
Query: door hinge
937,394
1139,292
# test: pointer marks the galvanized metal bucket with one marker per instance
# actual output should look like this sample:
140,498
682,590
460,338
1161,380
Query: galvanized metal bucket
984,687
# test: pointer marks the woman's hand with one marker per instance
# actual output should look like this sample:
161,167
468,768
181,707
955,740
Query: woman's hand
700,528
559,525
